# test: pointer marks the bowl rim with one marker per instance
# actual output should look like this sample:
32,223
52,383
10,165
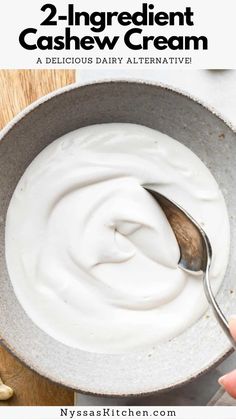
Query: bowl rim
41,100
33,106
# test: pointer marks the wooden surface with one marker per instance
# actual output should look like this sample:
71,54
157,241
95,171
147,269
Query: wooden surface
17,90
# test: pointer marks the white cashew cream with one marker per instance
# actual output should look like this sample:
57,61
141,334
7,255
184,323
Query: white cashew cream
91,255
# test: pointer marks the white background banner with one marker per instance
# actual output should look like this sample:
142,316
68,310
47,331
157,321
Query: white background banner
117,412
213,20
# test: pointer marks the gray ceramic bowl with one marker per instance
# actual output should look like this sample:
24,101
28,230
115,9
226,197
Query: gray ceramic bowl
173,113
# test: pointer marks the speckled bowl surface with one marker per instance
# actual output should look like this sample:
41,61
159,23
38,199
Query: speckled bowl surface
158,107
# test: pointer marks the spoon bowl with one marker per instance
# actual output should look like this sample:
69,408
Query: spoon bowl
195,250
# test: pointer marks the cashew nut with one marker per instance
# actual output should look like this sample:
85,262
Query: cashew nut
5,391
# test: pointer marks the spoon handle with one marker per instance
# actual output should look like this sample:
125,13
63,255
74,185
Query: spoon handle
216,309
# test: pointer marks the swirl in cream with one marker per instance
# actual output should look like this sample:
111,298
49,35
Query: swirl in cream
91,255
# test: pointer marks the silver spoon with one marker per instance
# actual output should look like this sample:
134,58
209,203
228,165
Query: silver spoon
195,250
